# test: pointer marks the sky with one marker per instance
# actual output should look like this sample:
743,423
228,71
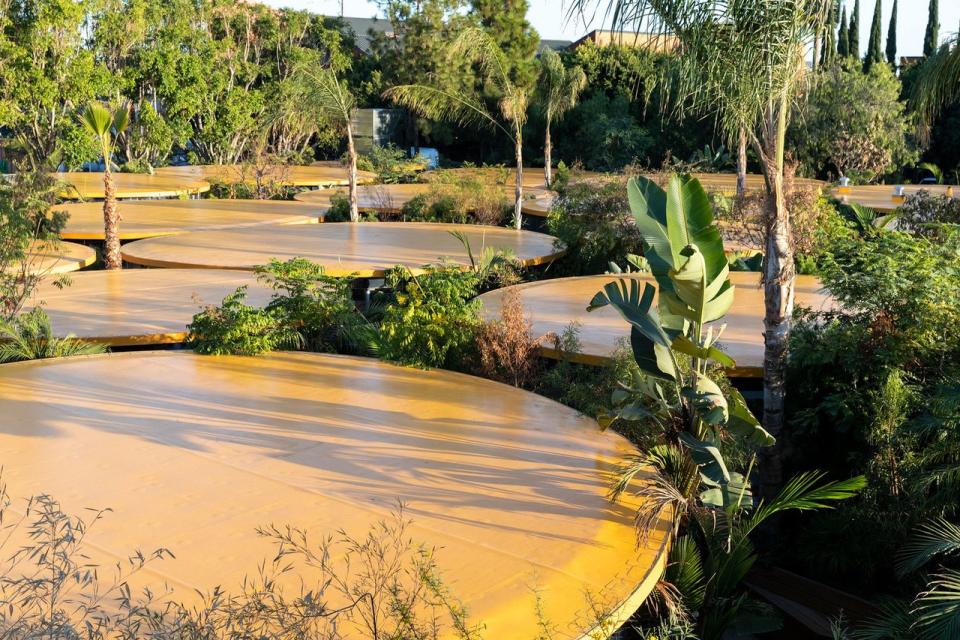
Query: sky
548,18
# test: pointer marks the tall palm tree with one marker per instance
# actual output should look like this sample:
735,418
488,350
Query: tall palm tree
557,91
320,93
474,46
106,125
745,62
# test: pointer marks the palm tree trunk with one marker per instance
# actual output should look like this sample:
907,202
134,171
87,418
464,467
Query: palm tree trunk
742,164
111,223
518,190
779,275
352,177
548,157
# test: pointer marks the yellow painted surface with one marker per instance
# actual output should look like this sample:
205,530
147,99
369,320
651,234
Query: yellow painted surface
59,257
726,183
879,197
553,304
193,453
139,306
150,218
82,185
390,198
292,175
364,249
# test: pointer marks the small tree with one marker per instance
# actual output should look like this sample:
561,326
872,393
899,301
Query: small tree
475,47
892,37
558,90
843,37
326,98
106,126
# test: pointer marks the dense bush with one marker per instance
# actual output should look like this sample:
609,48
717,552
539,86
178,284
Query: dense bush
235,327
433,320
854,124
603,134
30,336
874,389
595,224
923,212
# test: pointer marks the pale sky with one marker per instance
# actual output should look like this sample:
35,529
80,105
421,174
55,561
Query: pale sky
548,18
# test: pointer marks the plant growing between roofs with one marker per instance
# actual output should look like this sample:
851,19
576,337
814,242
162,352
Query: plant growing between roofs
706,426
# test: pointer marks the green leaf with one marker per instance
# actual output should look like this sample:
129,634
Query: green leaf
624,296
743,424
707,456
653,359
685,345
708,400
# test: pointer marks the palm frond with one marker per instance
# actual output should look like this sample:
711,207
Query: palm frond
802,493
931,539
97,119
319,91
936,610
437,104
475,46
30,336
938,82
893,620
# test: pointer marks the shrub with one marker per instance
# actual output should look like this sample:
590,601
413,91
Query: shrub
391,164
923,212
506,350
319,307
393,586
239,329
29,336
26,221
595,224
874,390
433,320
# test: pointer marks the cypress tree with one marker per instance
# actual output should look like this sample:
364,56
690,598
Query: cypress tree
829,52
843,37
892,38
932,38
874,54
855,31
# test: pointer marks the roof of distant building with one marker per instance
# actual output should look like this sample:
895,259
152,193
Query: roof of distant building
364,28
652,41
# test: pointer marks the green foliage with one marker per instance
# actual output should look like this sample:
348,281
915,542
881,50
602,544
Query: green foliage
874,391
595,224
678,388
391,165
855,31
29,336
238,329
318,307
923,213
26,222
433,320
506,22
616,137
339,210
843,37
854,124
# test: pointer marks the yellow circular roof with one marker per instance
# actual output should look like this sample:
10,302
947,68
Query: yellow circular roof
149,218
58,257
81,185
553,304
532,176
390,198
193,453
880,197
289,175
139,306
364,249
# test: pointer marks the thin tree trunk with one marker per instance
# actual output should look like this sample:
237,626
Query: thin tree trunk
548,157
779,274
518,191
742,164
111,223
352,177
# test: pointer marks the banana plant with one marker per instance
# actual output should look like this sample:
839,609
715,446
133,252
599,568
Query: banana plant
674,338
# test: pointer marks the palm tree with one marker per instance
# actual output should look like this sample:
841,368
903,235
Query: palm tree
744,62
106,125
321,93
475,46
30,336
939,83
558,91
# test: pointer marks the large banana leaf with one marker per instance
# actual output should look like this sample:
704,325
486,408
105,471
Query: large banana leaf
743,424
